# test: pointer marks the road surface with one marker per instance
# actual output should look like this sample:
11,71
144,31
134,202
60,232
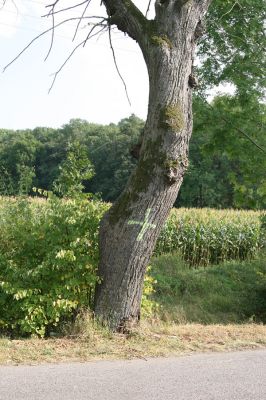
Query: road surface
216,376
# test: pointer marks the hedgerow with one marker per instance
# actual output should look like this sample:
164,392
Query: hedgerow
49,255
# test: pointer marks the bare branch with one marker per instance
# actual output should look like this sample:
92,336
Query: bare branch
40,35
99,24
64,63
83,43
231,9
116,66
125,15
81,18
52,38
148,9
52,6
4,3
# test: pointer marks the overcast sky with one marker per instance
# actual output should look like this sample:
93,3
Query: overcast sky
88,87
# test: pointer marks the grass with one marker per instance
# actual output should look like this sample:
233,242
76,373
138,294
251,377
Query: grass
150,340
232,292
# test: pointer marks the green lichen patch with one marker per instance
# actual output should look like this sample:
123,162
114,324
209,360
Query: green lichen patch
172,117
171,163
162,40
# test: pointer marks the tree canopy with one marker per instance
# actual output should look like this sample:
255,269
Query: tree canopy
226,170
233,47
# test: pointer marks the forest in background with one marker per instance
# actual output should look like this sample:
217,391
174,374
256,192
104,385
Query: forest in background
226,169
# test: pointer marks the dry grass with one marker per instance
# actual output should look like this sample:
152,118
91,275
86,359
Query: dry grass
150,340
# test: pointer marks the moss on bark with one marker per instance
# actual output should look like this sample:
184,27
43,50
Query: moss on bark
172,117
162,40
140,180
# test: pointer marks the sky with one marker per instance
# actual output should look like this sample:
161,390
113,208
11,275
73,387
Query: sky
88,87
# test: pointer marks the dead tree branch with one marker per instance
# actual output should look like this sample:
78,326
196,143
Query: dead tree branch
81,18
116,65
53,11
124,14
148,8
42,34
52,38
82,43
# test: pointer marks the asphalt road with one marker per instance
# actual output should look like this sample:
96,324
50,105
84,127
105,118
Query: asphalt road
219,376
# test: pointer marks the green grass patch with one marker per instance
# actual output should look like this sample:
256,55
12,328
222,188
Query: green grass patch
232,292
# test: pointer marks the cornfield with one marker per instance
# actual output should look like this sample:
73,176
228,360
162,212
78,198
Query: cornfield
209,236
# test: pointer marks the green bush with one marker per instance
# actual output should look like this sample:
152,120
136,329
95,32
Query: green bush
48,261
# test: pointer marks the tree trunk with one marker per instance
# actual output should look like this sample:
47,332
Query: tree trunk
129,230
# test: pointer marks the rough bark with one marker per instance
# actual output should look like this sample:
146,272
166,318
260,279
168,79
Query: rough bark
129,231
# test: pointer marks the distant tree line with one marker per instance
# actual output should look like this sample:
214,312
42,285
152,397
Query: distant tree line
226,169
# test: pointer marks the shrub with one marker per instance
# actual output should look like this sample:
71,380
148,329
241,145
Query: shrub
48,261
149,307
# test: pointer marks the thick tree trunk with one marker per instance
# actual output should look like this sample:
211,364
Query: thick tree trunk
130,229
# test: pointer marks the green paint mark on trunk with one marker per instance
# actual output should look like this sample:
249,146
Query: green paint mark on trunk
145,225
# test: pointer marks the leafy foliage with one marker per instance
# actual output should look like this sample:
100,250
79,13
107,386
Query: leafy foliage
73,171
226,170
17,158
149,307
233,48
48,261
